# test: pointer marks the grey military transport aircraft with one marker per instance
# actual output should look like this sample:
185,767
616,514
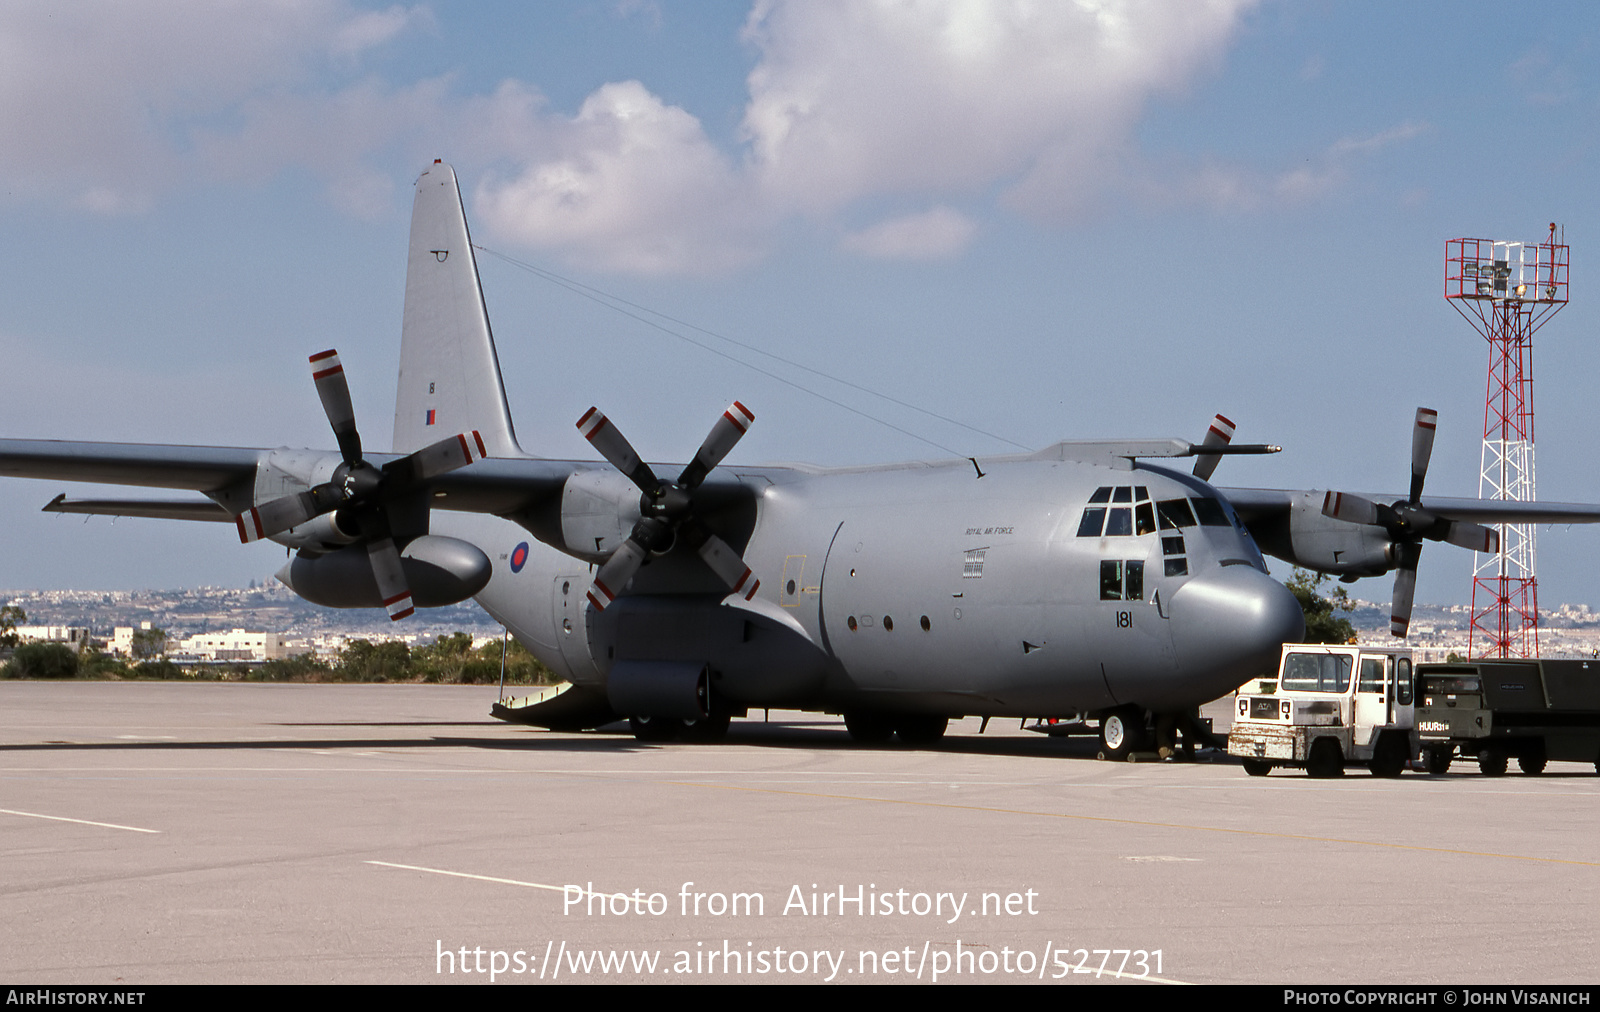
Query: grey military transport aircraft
1088,580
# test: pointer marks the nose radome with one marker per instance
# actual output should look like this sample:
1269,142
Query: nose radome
1228,626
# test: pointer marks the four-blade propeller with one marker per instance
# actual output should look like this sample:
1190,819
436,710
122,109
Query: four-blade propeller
667,510
1407,523
358,491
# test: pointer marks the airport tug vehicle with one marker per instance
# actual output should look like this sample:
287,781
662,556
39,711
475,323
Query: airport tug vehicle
1533,710
1328,706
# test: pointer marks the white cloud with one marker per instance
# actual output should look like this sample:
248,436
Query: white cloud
634,184
108,106
100,102
853,97
1237,188
935,234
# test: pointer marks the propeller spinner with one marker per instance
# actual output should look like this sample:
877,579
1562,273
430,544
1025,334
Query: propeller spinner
359,491
1407,523
668,509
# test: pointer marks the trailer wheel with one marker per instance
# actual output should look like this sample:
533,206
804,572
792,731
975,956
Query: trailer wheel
1257,767
1438,760
1491,761
1532,765
1389,758
1325,760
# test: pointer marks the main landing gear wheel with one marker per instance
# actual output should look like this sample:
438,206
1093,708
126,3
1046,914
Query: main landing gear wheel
654,728
869,728
1325,760
1122,733
919,729
1257,767
707,729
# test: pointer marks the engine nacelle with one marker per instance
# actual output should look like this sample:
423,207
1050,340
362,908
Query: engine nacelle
319,534
598,511
439,570
1308,539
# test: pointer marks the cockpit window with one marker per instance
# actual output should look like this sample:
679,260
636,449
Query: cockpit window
1093,522
1144,518
1119,521
1211,513
1175,513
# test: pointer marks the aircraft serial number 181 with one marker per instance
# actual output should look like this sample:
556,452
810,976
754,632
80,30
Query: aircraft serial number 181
1124,620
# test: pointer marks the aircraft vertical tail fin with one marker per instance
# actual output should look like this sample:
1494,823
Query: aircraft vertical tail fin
449,373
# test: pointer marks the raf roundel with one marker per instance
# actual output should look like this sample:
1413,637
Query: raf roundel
519,557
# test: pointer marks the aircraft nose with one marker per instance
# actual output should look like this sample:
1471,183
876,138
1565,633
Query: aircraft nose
1228,625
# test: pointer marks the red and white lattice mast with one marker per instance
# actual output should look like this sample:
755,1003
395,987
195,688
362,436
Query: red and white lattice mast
1506,290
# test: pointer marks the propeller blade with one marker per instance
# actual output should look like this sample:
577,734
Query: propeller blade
616,573
1220,434
1474,536
334,390
614,447
1421,449
279,515
724,436
437,458
727,564
1349,508
392,586
1405,587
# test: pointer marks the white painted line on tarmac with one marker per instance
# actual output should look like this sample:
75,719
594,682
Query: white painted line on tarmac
505,881
81,822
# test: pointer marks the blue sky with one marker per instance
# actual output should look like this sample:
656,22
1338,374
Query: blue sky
1045,220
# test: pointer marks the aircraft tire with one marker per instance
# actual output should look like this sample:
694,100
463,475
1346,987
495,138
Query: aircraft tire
920,729
868,728
1491,761
654,728
1438,760
706,730
1325,760
1257,767
1122,733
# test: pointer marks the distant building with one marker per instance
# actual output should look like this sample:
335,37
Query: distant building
73,636
232,646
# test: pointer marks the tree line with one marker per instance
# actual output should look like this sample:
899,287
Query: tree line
448,660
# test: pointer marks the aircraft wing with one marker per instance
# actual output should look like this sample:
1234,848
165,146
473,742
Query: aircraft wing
503,486
1259,504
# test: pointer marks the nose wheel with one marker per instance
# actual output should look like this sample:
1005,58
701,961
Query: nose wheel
1123,732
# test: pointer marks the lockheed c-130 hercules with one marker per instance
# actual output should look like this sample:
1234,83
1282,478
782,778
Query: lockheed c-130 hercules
1089,579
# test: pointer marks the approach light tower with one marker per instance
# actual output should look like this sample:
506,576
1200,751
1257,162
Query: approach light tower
1506,290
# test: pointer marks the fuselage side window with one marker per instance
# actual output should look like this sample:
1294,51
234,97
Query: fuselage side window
1110,580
